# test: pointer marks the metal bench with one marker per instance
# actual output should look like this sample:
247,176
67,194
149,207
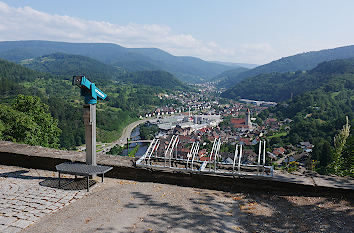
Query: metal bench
79,169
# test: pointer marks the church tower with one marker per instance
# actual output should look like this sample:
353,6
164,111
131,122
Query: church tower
248,119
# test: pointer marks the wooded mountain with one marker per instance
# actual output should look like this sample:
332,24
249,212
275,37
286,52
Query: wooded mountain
127,100
189,69
281,86
322,98
68,65
298,62
325,97
155,78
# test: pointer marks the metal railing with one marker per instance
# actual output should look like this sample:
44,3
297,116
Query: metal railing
193,162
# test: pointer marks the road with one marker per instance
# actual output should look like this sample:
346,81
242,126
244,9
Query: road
123,138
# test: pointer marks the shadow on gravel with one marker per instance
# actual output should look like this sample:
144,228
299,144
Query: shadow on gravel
202,214
20,175
295,214
249,212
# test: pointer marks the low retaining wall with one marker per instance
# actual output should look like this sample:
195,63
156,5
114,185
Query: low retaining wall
13,154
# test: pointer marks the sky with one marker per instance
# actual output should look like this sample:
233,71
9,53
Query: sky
252,31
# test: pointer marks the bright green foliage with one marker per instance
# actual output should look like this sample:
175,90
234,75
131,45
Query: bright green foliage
18,126
339,143
347,167
28,121
134,151
116,150
2,128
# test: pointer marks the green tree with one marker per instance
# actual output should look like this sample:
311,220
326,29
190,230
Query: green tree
339,143
348,157
28,121
2,128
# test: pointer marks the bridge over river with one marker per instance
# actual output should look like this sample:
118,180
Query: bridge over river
141,141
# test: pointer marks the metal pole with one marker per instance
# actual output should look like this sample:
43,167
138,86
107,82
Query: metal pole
176,148
211,153
259,156
189,155
173,136
127,146
155,146
264,154
171,149
194,153
216,154
239,160
89,116
235,157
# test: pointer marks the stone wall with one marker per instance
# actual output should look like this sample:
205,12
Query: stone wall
26,156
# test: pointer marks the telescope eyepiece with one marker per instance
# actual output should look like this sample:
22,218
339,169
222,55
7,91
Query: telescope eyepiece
77,80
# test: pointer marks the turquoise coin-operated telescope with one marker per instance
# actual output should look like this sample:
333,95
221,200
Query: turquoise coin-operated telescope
91,94
88,90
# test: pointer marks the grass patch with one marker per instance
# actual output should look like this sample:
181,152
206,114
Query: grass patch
278,135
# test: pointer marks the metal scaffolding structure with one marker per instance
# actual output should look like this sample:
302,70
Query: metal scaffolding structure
162,157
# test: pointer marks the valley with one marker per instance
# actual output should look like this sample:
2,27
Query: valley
176,116
297,112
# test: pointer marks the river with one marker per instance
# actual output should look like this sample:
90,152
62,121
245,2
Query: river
135,135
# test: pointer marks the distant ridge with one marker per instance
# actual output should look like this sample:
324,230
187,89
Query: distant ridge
298,62
233,64
69,64
282,86
188,69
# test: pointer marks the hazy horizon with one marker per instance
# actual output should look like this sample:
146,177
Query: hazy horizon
255,32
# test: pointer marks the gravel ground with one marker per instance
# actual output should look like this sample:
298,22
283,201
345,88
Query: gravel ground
275,213
129,206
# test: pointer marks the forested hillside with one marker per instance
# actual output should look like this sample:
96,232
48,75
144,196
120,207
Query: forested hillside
127,101
157,78
282,86
298,62
318,112
68,64
189,69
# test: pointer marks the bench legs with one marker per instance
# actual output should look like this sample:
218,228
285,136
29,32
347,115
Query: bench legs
59,181
87,181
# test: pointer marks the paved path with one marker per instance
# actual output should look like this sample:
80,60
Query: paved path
129,206
26,195
123,138
31,202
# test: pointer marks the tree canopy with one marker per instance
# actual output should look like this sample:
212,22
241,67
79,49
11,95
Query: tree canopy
28,121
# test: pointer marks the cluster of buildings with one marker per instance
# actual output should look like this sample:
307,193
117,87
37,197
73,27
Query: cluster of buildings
202,117
186,123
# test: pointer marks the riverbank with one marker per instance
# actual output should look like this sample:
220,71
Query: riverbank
123,138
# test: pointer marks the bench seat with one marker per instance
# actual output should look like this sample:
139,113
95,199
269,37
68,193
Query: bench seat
80,169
